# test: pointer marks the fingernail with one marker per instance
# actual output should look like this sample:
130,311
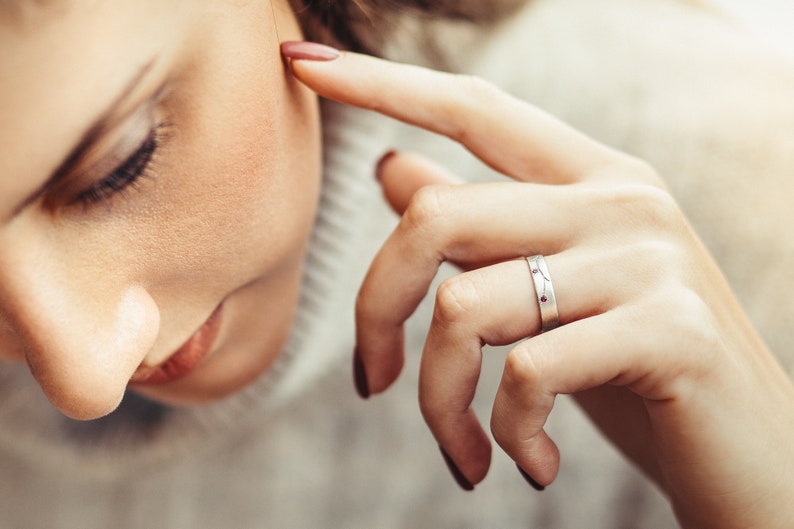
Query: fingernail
382,163
360,375
464,483
535,485
312,51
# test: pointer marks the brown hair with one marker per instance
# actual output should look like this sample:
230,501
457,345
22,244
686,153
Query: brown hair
362,25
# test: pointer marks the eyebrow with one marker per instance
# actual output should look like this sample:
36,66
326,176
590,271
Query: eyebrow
88,138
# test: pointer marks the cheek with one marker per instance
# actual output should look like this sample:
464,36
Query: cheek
240,202
246,212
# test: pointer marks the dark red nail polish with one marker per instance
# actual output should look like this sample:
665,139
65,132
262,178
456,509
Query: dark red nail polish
535,485
360,375
464,483
310,51
382,162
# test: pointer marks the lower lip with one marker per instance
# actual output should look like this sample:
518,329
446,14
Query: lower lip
187,357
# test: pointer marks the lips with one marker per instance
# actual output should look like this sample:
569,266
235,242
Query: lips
186,358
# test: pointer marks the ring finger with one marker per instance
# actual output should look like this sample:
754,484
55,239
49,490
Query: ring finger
495,305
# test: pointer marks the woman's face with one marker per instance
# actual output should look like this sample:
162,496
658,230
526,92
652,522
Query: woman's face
159,177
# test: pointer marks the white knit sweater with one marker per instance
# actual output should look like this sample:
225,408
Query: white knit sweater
298,449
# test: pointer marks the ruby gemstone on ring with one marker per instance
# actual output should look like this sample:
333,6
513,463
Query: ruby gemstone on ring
539,272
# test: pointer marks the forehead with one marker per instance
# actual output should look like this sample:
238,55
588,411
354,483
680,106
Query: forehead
62,62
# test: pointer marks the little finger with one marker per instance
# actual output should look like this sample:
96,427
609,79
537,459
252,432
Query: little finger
604,349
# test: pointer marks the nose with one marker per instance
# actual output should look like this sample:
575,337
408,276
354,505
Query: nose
82,344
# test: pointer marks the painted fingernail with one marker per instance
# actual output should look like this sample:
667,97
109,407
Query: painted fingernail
382,163
464,483
360,375
312,51
535,485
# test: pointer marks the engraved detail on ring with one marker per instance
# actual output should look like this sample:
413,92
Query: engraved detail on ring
541,279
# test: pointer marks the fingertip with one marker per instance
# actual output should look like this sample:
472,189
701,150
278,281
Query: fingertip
539,461
529,479
457,475
360,375
382,373
402,174
379,355
382,162
381,376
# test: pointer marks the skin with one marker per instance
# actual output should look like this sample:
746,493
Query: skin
92,293
89,294
652,342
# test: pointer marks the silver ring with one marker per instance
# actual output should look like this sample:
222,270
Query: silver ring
549,316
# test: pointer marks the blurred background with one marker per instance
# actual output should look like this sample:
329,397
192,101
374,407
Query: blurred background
771,19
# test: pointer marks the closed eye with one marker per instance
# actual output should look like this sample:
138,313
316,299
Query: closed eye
126,175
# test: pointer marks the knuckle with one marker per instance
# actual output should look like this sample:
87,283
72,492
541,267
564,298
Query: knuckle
638,170
470,94
644,205
691,323
502,431
692,320
634,271
658,206
426,208
475,89
522,369
457,299
654,260
642,197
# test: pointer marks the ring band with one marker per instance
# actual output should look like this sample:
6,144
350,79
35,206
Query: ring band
549,316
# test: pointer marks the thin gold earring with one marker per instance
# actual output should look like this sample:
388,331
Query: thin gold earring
275,25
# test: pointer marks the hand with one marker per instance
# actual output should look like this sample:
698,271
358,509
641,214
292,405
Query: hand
652,342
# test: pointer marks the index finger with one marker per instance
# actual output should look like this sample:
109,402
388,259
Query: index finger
506,133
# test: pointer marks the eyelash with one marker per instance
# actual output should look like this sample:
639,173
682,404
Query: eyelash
127,174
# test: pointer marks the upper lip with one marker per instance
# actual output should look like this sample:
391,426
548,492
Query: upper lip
145,371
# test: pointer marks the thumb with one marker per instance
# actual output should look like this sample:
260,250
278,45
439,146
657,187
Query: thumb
401,174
